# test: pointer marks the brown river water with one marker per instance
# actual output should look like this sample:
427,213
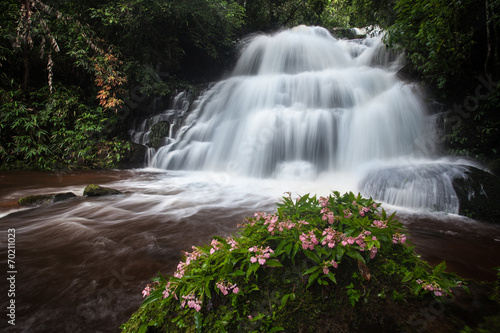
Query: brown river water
80,265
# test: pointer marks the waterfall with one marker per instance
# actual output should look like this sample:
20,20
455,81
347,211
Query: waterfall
301,104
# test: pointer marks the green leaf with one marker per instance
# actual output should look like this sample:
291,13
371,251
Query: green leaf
155,295
311,270
439,268
285,298
253,268
407,277
355,255
273,263
331,276
312,278
311,255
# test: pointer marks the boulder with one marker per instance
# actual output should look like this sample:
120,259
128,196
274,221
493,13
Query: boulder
42,199
135,157
94,190
158,131
478,193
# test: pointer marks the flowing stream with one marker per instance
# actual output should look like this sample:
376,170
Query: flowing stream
302,112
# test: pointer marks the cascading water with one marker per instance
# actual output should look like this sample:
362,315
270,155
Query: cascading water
301,104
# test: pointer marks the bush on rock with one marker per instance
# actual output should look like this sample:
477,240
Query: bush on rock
330,264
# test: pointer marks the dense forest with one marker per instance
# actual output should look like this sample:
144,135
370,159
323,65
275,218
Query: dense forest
73,74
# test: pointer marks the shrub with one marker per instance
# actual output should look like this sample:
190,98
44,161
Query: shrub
314,260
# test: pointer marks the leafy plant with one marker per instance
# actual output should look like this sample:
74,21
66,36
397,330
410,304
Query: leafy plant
308,241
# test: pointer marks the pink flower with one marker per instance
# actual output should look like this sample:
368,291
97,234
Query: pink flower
331,236
399,238
146,291
216,245
373,252
236,290
231,241
323,201
363,211
327,264
328,216
308,240
261,254
380,224
192,302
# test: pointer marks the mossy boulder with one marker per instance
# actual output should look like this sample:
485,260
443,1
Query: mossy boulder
135,157
478,192
158,131
94,190
42,199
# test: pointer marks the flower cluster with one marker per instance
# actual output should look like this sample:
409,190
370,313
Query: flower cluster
328,215
225,288
192,302
271,222
380,224
364,210
308,240
327,264
347,213
181,267
232,242
399,238
146,291
436,288
216,245
261,254
169,290
331,237
359,240
323,201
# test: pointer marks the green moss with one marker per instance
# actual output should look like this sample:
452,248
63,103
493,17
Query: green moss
35,200
158,132
94,190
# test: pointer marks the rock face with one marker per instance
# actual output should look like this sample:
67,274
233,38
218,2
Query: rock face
94,190
42,199
479,195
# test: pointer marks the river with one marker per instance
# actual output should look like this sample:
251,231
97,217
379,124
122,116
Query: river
81,264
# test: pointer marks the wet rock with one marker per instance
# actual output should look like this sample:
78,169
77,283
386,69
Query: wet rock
43,199
158,131
134,158
94,190
478,193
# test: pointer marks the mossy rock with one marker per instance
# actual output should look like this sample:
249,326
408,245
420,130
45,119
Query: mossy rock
94,190
135,157
158,131
43,199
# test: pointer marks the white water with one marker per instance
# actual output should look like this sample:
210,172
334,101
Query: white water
304,111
